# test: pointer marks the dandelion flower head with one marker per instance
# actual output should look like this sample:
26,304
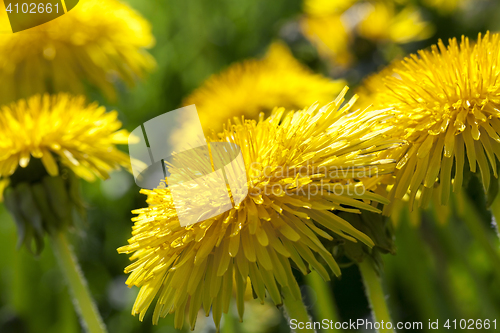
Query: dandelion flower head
95,43
447,106
258,85
276,227
333,26
61,130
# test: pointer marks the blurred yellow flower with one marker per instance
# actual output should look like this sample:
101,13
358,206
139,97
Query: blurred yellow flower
446,102
330,36
61,129
300,167
333,29
95,43
254,86
4,182
446,6
326,7
383,22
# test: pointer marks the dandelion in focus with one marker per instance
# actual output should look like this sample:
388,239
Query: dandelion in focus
294,162
96,43
254,86
446,102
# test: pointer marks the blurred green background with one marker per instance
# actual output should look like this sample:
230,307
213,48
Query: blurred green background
444,267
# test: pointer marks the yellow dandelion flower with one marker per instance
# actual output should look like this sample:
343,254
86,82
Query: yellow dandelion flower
61,130
384,22
334,29
330,36
301,168
447,6
45,143
326,7
254,86
446,102
95,43
372,84
3,185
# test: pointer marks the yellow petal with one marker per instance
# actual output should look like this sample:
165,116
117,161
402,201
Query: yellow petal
49,163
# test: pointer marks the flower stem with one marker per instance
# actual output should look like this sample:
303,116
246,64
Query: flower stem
325,306
471,218
495,210
296,310
82,300
375,294
229,324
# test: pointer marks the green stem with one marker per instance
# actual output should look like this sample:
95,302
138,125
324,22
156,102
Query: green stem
495,210
471,218
325,306
229,325
296,311
82,300
375,294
